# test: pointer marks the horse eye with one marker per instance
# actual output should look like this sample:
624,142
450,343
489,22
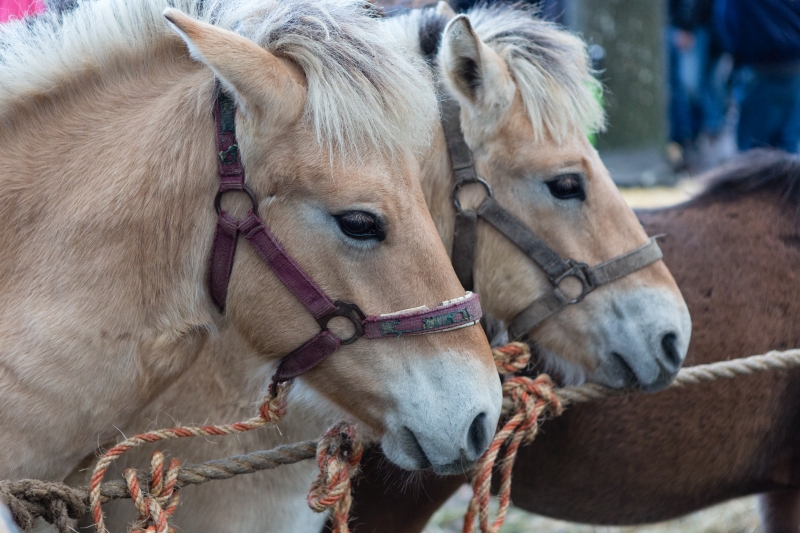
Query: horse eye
360,225
567,187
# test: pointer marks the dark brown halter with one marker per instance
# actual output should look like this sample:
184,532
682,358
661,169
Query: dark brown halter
554,266
460,312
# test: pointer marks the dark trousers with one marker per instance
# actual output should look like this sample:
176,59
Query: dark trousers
770,111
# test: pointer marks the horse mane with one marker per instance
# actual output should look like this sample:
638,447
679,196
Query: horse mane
359,89
759,170
550,65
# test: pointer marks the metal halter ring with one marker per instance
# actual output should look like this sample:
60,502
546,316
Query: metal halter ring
351,312
245,189
460,184
579,271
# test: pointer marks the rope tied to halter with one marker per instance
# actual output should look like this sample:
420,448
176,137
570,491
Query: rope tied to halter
338,455
525,401
271,409
154,508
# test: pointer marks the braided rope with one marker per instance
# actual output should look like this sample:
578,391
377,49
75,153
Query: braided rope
30,499
525,400
152,511
58,503
338,455
530,399
694,375
270,410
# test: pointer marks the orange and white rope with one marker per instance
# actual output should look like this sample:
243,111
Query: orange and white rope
338,455
272,408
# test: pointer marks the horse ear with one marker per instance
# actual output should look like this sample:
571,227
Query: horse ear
478,76
443,9
462,58
255,77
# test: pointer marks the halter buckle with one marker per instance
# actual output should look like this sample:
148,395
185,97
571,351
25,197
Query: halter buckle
351,312
579,271
459,184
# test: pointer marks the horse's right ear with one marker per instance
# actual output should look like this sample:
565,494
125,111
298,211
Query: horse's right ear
255,77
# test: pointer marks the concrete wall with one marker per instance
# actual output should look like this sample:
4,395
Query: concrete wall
632,34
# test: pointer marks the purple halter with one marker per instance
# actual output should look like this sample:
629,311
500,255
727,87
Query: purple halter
460,312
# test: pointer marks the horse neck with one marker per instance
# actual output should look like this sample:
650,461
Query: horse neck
103,272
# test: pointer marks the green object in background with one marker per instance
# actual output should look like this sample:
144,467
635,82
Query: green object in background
597,90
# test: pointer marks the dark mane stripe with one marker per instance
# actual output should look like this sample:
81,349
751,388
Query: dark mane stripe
431,28
759,170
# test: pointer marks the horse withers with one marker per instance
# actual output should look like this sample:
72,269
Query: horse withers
110,161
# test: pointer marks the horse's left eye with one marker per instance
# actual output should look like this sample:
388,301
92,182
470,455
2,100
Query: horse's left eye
361,225
567,187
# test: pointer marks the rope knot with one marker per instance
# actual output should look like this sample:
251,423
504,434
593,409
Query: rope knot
338,454
511,358
525,400
533,397
59,504
154,508
273,406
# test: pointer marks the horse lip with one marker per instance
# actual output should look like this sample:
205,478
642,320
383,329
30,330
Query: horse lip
422,457
459,466
630,376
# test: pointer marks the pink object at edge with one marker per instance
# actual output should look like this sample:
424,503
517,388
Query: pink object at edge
16,9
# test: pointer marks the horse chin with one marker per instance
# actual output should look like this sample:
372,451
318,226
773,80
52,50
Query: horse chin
564,372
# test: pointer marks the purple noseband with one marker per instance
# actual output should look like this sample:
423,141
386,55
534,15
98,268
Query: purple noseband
460,312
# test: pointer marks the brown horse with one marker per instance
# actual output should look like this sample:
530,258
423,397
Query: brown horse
735,252
525,122
109,159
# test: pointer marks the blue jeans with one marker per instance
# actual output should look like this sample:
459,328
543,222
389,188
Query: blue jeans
770,111
698,98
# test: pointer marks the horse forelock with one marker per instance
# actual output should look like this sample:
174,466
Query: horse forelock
361,92
550,65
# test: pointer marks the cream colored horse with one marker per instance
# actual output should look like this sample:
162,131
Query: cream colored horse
527,98
109,167
524,136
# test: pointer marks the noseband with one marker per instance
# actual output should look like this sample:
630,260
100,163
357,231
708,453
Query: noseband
453,314
554,266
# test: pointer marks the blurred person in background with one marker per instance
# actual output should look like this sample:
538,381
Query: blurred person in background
698,78
764,38
16,9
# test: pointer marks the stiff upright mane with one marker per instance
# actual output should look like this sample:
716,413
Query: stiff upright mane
759,170
549,64
359,90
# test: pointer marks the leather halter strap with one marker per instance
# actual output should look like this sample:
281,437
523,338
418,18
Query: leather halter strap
554,266
452,314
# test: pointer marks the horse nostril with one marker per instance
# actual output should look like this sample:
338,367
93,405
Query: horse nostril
478,437
668,344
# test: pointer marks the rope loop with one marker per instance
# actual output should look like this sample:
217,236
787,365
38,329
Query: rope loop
271,408
154,508
338,454
525,401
